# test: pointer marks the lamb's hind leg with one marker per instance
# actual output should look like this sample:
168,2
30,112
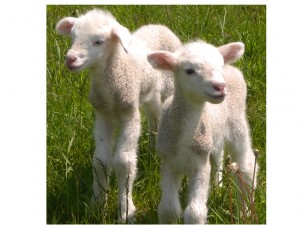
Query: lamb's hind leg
124,162
152,110
241,152
102,158
217,167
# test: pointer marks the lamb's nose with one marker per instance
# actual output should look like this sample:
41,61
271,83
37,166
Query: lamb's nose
70,59
219,86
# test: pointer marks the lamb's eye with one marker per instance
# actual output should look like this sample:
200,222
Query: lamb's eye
189,71
98,43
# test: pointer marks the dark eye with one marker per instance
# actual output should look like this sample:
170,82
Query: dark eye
98,43
189,71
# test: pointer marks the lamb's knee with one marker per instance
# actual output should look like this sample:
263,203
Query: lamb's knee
216,171
247,164
101,162
169,213
125,162
249,171
195,213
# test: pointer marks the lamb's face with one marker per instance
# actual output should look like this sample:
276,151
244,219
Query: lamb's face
89,43
198,68
93,35
199,73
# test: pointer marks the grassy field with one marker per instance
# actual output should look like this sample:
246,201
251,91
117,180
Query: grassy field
70,116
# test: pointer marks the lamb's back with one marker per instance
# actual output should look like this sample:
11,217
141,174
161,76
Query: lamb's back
158,37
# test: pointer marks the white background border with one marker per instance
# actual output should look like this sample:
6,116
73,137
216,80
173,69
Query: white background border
23,108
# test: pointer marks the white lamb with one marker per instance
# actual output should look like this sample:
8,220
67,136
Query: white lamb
206,111
122,78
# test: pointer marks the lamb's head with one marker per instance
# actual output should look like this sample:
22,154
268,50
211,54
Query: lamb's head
93,35
198,69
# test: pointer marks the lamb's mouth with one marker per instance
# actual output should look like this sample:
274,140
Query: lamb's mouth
216,98
220,96
75,68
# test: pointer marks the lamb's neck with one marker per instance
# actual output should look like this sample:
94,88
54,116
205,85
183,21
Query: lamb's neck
188,113
113,57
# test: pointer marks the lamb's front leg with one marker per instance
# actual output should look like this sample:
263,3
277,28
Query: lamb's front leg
102,158
169,207
124,162
199,177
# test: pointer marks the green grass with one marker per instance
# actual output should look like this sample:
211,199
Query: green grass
70,117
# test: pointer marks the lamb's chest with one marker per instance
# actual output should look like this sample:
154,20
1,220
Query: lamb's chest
110,97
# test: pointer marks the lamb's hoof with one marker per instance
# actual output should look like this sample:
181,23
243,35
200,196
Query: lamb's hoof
127,217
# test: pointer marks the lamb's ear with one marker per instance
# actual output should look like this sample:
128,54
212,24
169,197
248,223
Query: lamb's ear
122,34
65,25
163,60
232,52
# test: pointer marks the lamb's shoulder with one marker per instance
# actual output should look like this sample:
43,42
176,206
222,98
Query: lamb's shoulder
169,132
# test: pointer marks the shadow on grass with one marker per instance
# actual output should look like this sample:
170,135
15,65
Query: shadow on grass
68,203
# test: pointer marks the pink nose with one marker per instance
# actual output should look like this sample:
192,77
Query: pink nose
70,60
219,86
